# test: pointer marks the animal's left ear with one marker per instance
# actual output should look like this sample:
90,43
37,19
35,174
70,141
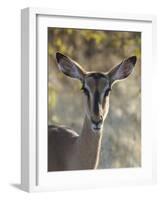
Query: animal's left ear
123,70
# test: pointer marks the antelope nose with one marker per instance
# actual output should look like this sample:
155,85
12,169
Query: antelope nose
99,121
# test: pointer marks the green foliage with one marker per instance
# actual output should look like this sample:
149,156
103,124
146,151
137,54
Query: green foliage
91,42
96,36
52,97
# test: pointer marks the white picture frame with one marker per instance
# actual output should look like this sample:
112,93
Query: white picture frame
34,22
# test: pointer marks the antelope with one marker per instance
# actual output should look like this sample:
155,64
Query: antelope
68,150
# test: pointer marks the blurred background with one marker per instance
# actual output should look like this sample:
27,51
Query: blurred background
99,51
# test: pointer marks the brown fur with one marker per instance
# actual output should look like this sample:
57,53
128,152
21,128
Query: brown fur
69,151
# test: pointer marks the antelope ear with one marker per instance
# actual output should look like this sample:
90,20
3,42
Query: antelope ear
69,67
123,70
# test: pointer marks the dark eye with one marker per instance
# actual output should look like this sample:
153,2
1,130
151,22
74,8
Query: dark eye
107,92
86,92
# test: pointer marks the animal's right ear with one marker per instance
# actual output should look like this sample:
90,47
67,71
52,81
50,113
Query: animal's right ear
69,67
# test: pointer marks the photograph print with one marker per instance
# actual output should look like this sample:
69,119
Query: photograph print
94,99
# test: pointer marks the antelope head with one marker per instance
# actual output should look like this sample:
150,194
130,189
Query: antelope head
96,86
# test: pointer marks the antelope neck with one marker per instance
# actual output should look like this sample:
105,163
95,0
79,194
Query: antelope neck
90,143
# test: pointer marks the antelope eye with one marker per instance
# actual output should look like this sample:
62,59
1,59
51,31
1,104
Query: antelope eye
86,92
107,92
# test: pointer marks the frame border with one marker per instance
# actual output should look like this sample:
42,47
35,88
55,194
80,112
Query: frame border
29,83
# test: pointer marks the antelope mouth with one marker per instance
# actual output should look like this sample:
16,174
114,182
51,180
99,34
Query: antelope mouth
96,127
